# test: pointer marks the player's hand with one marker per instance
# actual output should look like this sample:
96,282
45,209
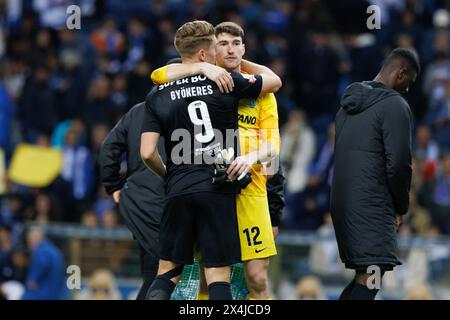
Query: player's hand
398,222
239,168
220,76
116,196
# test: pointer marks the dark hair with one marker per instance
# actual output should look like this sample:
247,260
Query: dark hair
408,55
231,28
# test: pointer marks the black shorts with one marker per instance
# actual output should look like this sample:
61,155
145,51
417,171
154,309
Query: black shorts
142,212
206,217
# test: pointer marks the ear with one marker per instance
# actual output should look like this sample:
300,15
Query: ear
243,46
201,55
401,74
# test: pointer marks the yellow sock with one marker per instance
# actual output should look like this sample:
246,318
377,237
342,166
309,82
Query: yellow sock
250,298
202,296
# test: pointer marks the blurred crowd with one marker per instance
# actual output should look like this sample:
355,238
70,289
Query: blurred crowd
66,89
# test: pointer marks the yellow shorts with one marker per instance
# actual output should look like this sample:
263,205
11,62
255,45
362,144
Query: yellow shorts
255,227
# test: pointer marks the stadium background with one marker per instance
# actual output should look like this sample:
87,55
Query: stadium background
65,89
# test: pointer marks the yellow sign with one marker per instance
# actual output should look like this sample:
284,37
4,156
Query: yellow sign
35,166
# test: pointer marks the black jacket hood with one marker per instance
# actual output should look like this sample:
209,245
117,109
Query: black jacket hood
360,96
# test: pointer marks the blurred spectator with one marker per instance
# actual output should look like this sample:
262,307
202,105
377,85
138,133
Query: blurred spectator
310,288
59,133
441,119
143,44
103,204
10,13
419,292
426,148
119,93
43,211
417,268
418,218
108,40
12,287
167,28
38,105
324,256
6,246
110,219
14,78
98,135
46,274
13,261
20,43
6,118
77,175
317,69
297,152
102,286
100,109
73,40
435,78
70,84
11,214
314,200
362,48
52,13
141,83
321,170
89,219
439,196
410,27
44,51
276,18
249,10
43,141
298,148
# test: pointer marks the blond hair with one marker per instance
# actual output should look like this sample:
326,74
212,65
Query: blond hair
193,36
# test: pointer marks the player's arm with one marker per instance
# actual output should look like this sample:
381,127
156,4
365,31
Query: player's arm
269,130
150,154
173,72
396,130
243,164
150,133
269,144
110,154
270,81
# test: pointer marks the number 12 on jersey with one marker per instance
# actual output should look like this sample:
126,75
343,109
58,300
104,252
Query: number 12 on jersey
255,232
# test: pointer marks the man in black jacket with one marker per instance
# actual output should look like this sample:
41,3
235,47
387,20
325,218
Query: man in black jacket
275,197
372,171
140,194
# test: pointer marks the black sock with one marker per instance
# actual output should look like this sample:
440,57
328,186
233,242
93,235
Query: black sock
220,291
345,295
149,269
161,289
361,292
148,280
